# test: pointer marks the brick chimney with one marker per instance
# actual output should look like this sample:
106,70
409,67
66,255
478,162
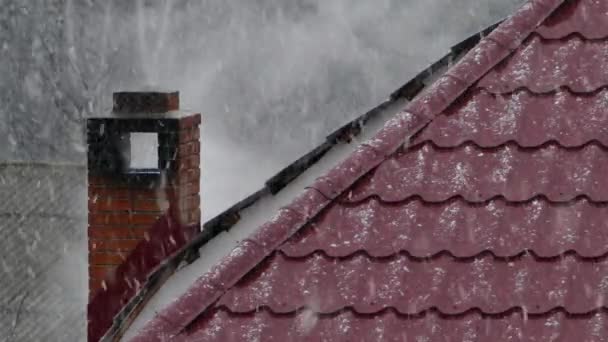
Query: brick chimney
143,187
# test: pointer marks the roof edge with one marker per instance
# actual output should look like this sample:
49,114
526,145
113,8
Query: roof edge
394,135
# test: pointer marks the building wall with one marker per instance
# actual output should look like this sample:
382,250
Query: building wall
43,272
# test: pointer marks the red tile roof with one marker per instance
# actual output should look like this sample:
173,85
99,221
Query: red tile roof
488,225
456,227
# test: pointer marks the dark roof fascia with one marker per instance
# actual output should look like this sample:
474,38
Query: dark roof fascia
224,221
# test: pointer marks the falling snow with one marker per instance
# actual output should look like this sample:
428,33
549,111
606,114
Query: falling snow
513,182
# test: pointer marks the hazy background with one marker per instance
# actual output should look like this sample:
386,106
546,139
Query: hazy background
271,77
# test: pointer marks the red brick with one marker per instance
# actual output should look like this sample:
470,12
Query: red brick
113,219
189,134
94,282
109,232
150,205
108,204
94,286
190,121
143,219
106,258
140,232
196,134
172,194
109,219
190,188
189,162
148,193
100,272
189,176
191,202
193,216
115,232
183,149
188,149
183,164
185,135
193,161
194,175
109,192
123,245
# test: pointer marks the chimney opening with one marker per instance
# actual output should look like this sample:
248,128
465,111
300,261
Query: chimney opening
143,151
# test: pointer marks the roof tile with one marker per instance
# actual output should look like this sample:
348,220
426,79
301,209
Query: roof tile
411,286
586,18
543,66
479,174
524,118
458,228
516,28
222,325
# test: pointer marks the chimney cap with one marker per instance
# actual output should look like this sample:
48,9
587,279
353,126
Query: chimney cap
145,101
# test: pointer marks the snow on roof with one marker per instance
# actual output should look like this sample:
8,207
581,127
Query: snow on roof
462,209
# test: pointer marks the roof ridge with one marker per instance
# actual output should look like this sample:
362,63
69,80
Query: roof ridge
396,133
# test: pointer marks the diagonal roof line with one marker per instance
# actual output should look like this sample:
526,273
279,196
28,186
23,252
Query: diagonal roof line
226,220
394,135
417,114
